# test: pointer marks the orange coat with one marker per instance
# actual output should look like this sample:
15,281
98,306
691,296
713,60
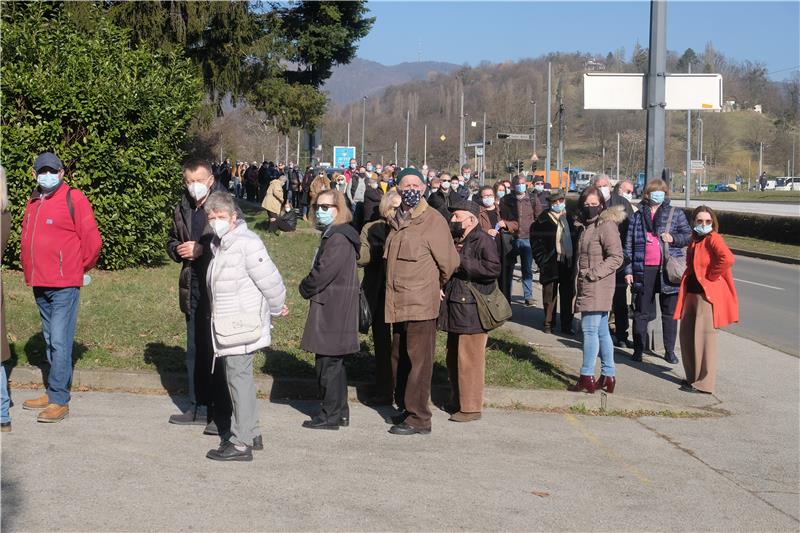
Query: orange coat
711,261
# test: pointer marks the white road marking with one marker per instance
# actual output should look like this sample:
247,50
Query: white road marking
759,284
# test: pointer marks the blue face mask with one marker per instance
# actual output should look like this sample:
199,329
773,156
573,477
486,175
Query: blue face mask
325,218
558,208
369,168
521,188
500,194
47,180
700,229
657,197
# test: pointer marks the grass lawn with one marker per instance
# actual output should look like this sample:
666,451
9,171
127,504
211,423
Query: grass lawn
130,320
787,197
758,245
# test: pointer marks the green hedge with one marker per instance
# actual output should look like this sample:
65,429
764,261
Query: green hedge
115,116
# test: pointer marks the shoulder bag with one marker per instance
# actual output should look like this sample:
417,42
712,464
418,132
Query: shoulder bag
674,266
493,308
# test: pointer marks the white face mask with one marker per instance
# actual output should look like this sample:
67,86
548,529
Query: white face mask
374,184
605,191
198,190
628,196
488,201
220,226
445,185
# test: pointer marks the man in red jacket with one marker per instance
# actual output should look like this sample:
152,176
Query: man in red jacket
60,243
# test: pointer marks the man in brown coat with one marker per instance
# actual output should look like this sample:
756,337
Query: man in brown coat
420,257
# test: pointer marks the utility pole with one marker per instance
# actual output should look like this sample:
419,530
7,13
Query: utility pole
760,158
363,124
483,157
688,182
461,154
395,152
534,125
286,152
604,160
425,147
700,138
408,121
297,160
348,134
549,120
617,172
560,138
656,88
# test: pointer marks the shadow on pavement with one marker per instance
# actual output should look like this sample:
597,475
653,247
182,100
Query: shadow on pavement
169,362
35,352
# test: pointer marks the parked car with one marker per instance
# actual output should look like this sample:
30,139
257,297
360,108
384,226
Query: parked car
787,183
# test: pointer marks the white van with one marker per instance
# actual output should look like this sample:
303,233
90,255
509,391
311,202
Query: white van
787,184
583,180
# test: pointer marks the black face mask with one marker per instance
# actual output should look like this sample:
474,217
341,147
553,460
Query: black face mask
456,230
590,212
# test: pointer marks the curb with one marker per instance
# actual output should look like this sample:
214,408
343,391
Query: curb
305,389
766,256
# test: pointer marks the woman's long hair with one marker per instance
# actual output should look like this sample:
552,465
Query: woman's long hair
343,214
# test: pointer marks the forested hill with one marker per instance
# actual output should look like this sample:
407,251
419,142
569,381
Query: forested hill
505,91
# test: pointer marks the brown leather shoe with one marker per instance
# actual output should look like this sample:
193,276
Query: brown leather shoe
37,403
464,417
53,413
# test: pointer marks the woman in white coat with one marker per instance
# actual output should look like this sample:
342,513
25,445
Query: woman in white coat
246,290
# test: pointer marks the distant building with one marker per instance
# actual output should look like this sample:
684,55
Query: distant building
728,106
593,66
757,108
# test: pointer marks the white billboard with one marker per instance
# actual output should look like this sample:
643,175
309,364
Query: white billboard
627,91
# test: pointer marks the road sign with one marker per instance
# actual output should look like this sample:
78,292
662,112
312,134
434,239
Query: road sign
698,164
473,145
627,91
479,151
443,138
515,136
342,155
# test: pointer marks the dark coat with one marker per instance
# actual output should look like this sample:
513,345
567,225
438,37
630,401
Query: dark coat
617,200
480,265
372,201
636,242
332,288
441,202
373,241
510,212
543,245
180,232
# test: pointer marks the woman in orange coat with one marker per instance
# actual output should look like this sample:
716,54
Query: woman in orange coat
707,301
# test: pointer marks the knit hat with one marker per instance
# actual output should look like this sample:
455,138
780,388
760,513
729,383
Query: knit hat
410,171
465,205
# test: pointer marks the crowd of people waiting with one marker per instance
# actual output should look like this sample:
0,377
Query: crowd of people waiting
438,252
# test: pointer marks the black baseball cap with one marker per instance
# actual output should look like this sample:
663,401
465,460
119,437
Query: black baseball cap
47,160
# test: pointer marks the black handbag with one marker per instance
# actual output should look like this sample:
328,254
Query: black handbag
364,314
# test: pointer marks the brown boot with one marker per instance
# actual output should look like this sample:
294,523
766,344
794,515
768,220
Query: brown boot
37,403
53,413
464,417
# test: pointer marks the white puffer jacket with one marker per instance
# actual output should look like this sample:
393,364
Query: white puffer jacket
242,280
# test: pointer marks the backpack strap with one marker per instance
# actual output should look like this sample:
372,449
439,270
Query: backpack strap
69,205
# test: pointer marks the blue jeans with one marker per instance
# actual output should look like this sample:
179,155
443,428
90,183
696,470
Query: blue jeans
59,311
523,248
5,401
596,337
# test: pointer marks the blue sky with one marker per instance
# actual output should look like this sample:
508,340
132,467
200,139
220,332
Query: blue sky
469,32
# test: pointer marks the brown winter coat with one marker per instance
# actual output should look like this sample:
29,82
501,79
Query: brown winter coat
599,255
273,201
420,258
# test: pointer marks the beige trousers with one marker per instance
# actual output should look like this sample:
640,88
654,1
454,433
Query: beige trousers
466,365
699,343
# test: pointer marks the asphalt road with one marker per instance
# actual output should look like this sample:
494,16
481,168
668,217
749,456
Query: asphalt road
764,208
769,303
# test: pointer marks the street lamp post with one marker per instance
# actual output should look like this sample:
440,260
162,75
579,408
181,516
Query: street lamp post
534,125
363,124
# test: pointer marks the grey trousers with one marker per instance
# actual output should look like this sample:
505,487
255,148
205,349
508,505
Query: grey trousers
242,388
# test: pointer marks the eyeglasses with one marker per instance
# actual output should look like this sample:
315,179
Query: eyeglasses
324,207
